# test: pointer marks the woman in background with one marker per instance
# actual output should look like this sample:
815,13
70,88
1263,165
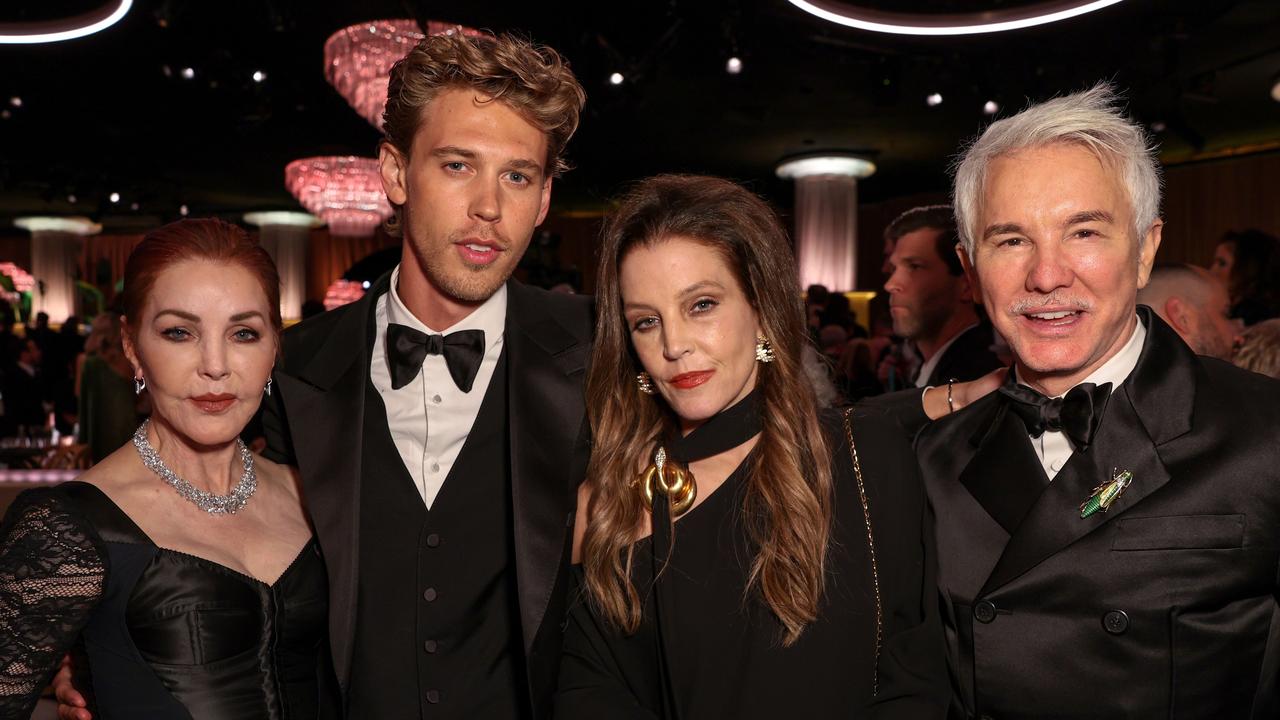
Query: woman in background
1248,262
104,385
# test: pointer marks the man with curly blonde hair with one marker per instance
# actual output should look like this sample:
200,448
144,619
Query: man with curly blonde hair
438,423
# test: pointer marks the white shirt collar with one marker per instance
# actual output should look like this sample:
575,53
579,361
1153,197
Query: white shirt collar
1117,369
491,316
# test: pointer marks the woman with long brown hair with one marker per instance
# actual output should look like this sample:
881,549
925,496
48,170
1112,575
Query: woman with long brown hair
742,554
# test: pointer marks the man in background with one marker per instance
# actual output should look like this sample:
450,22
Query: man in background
931,302
1196,306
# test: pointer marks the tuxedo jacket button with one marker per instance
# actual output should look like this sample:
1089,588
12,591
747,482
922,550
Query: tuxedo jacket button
984,612
1115,622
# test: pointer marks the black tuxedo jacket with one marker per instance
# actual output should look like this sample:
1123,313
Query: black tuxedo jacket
968,358
312,421
1163,607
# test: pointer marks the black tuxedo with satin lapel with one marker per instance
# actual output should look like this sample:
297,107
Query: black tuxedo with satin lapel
1163,607
313,421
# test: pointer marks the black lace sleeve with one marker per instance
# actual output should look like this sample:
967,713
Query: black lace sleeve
52,573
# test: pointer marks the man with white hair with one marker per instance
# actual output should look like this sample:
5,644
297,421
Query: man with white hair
1196,306
1108,522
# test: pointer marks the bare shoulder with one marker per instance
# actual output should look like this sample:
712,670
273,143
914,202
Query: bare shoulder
119,474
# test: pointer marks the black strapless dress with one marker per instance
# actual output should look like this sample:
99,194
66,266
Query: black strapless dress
158,634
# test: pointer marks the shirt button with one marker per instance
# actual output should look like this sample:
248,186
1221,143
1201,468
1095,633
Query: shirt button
430,595
433,696
433,540
984,612
430,646
1116,622
435,467
436,399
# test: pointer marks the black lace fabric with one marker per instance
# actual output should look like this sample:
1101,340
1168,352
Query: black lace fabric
51,575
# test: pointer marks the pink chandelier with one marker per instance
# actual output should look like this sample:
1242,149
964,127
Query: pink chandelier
358,59
345,192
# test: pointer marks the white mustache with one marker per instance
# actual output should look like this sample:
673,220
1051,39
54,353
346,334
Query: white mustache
1021,307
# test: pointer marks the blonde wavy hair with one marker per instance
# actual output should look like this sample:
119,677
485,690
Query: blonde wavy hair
1260,348
788,498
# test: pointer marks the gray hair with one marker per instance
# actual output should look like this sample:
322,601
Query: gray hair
1092,119
1260,349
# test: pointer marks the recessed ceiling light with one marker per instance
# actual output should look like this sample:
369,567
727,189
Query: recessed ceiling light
65,29
15,101
134,206
733,66
72,199
114,197
188,73
616,79
183,210
933,99
259,76
1158,126
990,107
1275,89
901,23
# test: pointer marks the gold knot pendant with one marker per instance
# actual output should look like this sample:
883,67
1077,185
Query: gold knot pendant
670,479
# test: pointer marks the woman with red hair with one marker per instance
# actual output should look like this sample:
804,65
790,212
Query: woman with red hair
183,565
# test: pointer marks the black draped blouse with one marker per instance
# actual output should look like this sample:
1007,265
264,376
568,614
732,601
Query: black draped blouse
707,649
158,634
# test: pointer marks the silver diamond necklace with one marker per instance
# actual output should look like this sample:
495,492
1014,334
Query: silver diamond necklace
227,504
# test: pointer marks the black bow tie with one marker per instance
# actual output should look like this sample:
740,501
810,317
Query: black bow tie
407,348
1076,415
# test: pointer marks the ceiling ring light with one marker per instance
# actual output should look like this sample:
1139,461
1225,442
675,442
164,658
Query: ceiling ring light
798,167
901,23
68,28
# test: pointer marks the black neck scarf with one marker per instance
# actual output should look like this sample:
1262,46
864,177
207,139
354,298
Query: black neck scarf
726,430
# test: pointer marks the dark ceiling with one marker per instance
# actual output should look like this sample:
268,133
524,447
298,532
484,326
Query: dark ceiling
113,113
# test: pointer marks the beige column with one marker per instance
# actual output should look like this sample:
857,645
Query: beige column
826,212
284,235
55,253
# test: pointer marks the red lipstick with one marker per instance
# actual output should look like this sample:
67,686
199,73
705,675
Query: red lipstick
690,380
214,404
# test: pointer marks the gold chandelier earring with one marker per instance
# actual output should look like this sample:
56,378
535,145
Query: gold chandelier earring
670,479
645,383
764,350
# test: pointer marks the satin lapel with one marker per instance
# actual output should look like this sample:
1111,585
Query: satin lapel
324,404
1151,409
1005,475
545,379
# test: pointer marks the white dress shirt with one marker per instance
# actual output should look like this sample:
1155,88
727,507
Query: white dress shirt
927,368
1053,448
430,417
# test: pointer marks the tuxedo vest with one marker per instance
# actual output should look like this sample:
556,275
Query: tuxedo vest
438,619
